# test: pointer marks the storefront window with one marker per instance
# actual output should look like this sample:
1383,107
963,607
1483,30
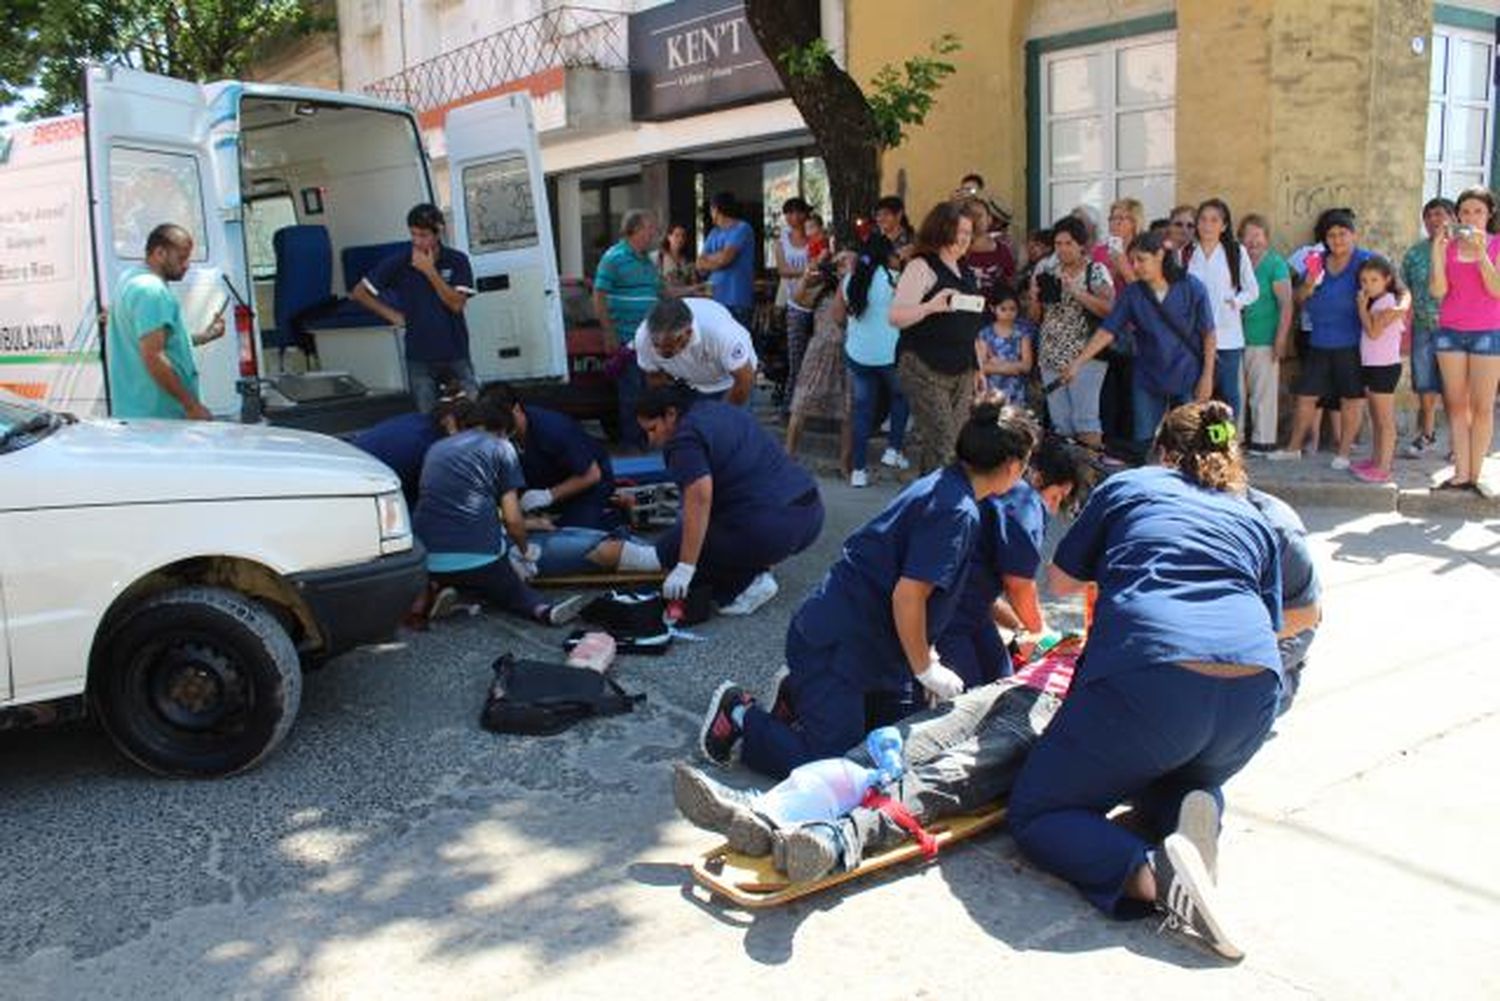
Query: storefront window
805,177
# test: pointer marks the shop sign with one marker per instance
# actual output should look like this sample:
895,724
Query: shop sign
693,56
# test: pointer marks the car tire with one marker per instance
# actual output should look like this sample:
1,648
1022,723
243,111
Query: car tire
197,682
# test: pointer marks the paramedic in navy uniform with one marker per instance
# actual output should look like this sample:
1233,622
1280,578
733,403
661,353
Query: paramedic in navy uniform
425,289
746,506
869,627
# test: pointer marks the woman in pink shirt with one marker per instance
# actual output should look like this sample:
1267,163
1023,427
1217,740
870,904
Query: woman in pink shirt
1381,324
1465,279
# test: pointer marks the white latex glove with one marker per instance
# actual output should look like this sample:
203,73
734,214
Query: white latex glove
940,681
524,562
535,500
678,581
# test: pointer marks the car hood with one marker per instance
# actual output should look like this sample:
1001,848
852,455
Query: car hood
138,461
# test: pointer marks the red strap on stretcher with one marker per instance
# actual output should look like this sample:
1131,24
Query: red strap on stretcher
877,800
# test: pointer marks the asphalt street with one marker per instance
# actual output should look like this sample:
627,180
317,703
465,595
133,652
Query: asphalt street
394,849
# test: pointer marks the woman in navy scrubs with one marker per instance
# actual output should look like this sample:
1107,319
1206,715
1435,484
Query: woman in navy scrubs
1178,686
746,506
870,625
1007,559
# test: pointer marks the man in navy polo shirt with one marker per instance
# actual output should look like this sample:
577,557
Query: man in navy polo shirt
425,289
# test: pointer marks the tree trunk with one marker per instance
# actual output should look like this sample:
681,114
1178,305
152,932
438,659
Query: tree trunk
831,104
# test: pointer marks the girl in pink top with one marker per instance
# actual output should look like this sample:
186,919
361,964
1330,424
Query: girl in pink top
1465,279
1380,361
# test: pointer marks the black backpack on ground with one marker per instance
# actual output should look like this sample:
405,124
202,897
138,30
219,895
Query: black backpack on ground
537,698
643,613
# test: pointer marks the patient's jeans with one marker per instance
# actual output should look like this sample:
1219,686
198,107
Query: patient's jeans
960,757
565,551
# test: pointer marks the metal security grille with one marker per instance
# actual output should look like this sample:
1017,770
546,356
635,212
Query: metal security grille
567,37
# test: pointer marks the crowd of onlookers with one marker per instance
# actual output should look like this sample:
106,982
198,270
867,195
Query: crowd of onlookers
1101,329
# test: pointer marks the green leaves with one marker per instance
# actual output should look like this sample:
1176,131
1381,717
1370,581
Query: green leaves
898,96
903,97
190,39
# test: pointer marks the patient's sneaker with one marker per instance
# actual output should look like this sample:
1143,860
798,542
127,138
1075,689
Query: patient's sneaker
1185,894
721,732
716,807
1198,821
761,590
810,851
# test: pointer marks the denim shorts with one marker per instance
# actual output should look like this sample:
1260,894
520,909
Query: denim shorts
1473,342
1425,377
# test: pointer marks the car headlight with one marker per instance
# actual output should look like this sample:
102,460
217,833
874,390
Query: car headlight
395,522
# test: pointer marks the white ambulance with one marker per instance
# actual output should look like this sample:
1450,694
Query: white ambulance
291,196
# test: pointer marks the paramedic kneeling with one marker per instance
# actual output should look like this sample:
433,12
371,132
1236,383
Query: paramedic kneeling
1178,687
869,627
425,289
746,506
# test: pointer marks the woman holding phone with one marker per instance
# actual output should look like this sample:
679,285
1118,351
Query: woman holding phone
939,312
1464,277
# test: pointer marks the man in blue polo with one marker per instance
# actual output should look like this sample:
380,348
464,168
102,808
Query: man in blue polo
424,288
729,258
626,286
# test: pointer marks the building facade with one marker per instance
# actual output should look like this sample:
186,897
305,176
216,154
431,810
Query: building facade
1283,107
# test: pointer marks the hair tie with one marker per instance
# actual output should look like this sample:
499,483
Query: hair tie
1221,433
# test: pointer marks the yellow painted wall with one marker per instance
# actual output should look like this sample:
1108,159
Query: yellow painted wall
979,122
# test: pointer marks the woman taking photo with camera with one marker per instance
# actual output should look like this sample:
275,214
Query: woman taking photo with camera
1069,295
1465,278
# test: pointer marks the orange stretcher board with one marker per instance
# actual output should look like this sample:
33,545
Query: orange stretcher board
600,580
753,882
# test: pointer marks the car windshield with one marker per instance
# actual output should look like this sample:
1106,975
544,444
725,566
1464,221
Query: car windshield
22,423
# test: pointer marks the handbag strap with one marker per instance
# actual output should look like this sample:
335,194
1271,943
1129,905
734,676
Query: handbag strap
1196,350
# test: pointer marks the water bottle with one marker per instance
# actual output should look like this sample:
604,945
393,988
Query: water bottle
830,788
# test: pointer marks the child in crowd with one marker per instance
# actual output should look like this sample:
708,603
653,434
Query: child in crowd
817,238
1005,351
1380,362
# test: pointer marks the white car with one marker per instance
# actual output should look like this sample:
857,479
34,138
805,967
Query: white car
172,577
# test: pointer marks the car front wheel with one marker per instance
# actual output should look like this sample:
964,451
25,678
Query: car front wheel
197,681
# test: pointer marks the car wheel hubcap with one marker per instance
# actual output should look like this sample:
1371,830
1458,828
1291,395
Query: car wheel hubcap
195,687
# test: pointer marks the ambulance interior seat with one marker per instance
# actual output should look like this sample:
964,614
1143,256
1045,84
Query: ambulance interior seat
303,289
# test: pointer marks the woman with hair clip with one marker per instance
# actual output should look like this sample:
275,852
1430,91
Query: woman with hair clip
1169,312
1217,260
869,628
1178,688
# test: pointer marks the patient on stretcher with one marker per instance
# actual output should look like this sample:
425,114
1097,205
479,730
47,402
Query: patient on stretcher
960,757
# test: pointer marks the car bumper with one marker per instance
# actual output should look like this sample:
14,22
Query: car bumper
363,603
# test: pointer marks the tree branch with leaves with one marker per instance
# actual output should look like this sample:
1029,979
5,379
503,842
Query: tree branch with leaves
190,39
851,125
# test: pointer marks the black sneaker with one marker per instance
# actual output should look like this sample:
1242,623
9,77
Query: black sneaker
1421,445
811,851
1185,894
720,732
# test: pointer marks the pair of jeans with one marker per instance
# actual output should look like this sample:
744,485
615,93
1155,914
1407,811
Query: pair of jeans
565,551
1149,406
426,378
1074,408
872,386
960,757
1263,385
1425,377
799,333
1146,737
629,386
499,584
1228,363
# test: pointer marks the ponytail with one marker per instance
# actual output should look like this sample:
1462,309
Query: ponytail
872,257
1199,439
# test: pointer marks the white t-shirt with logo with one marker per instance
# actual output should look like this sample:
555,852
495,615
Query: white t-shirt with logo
719,346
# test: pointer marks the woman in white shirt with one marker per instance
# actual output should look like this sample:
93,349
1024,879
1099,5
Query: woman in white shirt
1218,261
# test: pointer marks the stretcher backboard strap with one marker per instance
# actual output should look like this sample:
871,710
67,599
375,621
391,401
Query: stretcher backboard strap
752,881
